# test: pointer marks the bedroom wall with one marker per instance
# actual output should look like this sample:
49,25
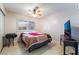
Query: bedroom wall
75,25
54,24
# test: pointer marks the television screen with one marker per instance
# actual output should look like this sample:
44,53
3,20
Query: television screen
67,25
67,28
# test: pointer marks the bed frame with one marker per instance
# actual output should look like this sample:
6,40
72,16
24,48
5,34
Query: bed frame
38,45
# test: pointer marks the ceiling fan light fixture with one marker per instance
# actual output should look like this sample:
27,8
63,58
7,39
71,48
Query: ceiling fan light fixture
38,11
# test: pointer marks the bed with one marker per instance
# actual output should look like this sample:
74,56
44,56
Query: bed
34,40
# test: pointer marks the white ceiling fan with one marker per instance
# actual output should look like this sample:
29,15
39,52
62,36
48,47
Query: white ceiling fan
35,12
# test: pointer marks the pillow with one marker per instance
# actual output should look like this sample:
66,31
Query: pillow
35,34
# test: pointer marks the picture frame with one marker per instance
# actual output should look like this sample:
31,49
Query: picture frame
25,25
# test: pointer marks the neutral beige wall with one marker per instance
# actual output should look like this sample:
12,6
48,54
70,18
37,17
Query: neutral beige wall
54,24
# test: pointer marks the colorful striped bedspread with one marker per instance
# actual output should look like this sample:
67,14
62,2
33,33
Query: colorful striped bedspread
33,38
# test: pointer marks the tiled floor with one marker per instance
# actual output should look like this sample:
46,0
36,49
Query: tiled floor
18,49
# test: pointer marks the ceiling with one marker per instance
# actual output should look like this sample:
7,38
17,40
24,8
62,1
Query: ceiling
48,8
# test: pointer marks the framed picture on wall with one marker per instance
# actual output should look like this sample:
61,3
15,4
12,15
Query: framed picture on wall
21,25
25,25
31,25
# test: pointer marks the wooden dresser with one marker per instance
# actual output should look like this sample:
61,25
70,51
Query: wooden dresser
69,42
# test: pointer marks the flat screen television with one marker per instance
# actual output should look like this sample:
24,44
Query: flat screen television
67,29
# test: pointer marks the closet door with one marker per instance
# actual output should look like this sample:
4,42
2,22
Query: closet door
1,27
